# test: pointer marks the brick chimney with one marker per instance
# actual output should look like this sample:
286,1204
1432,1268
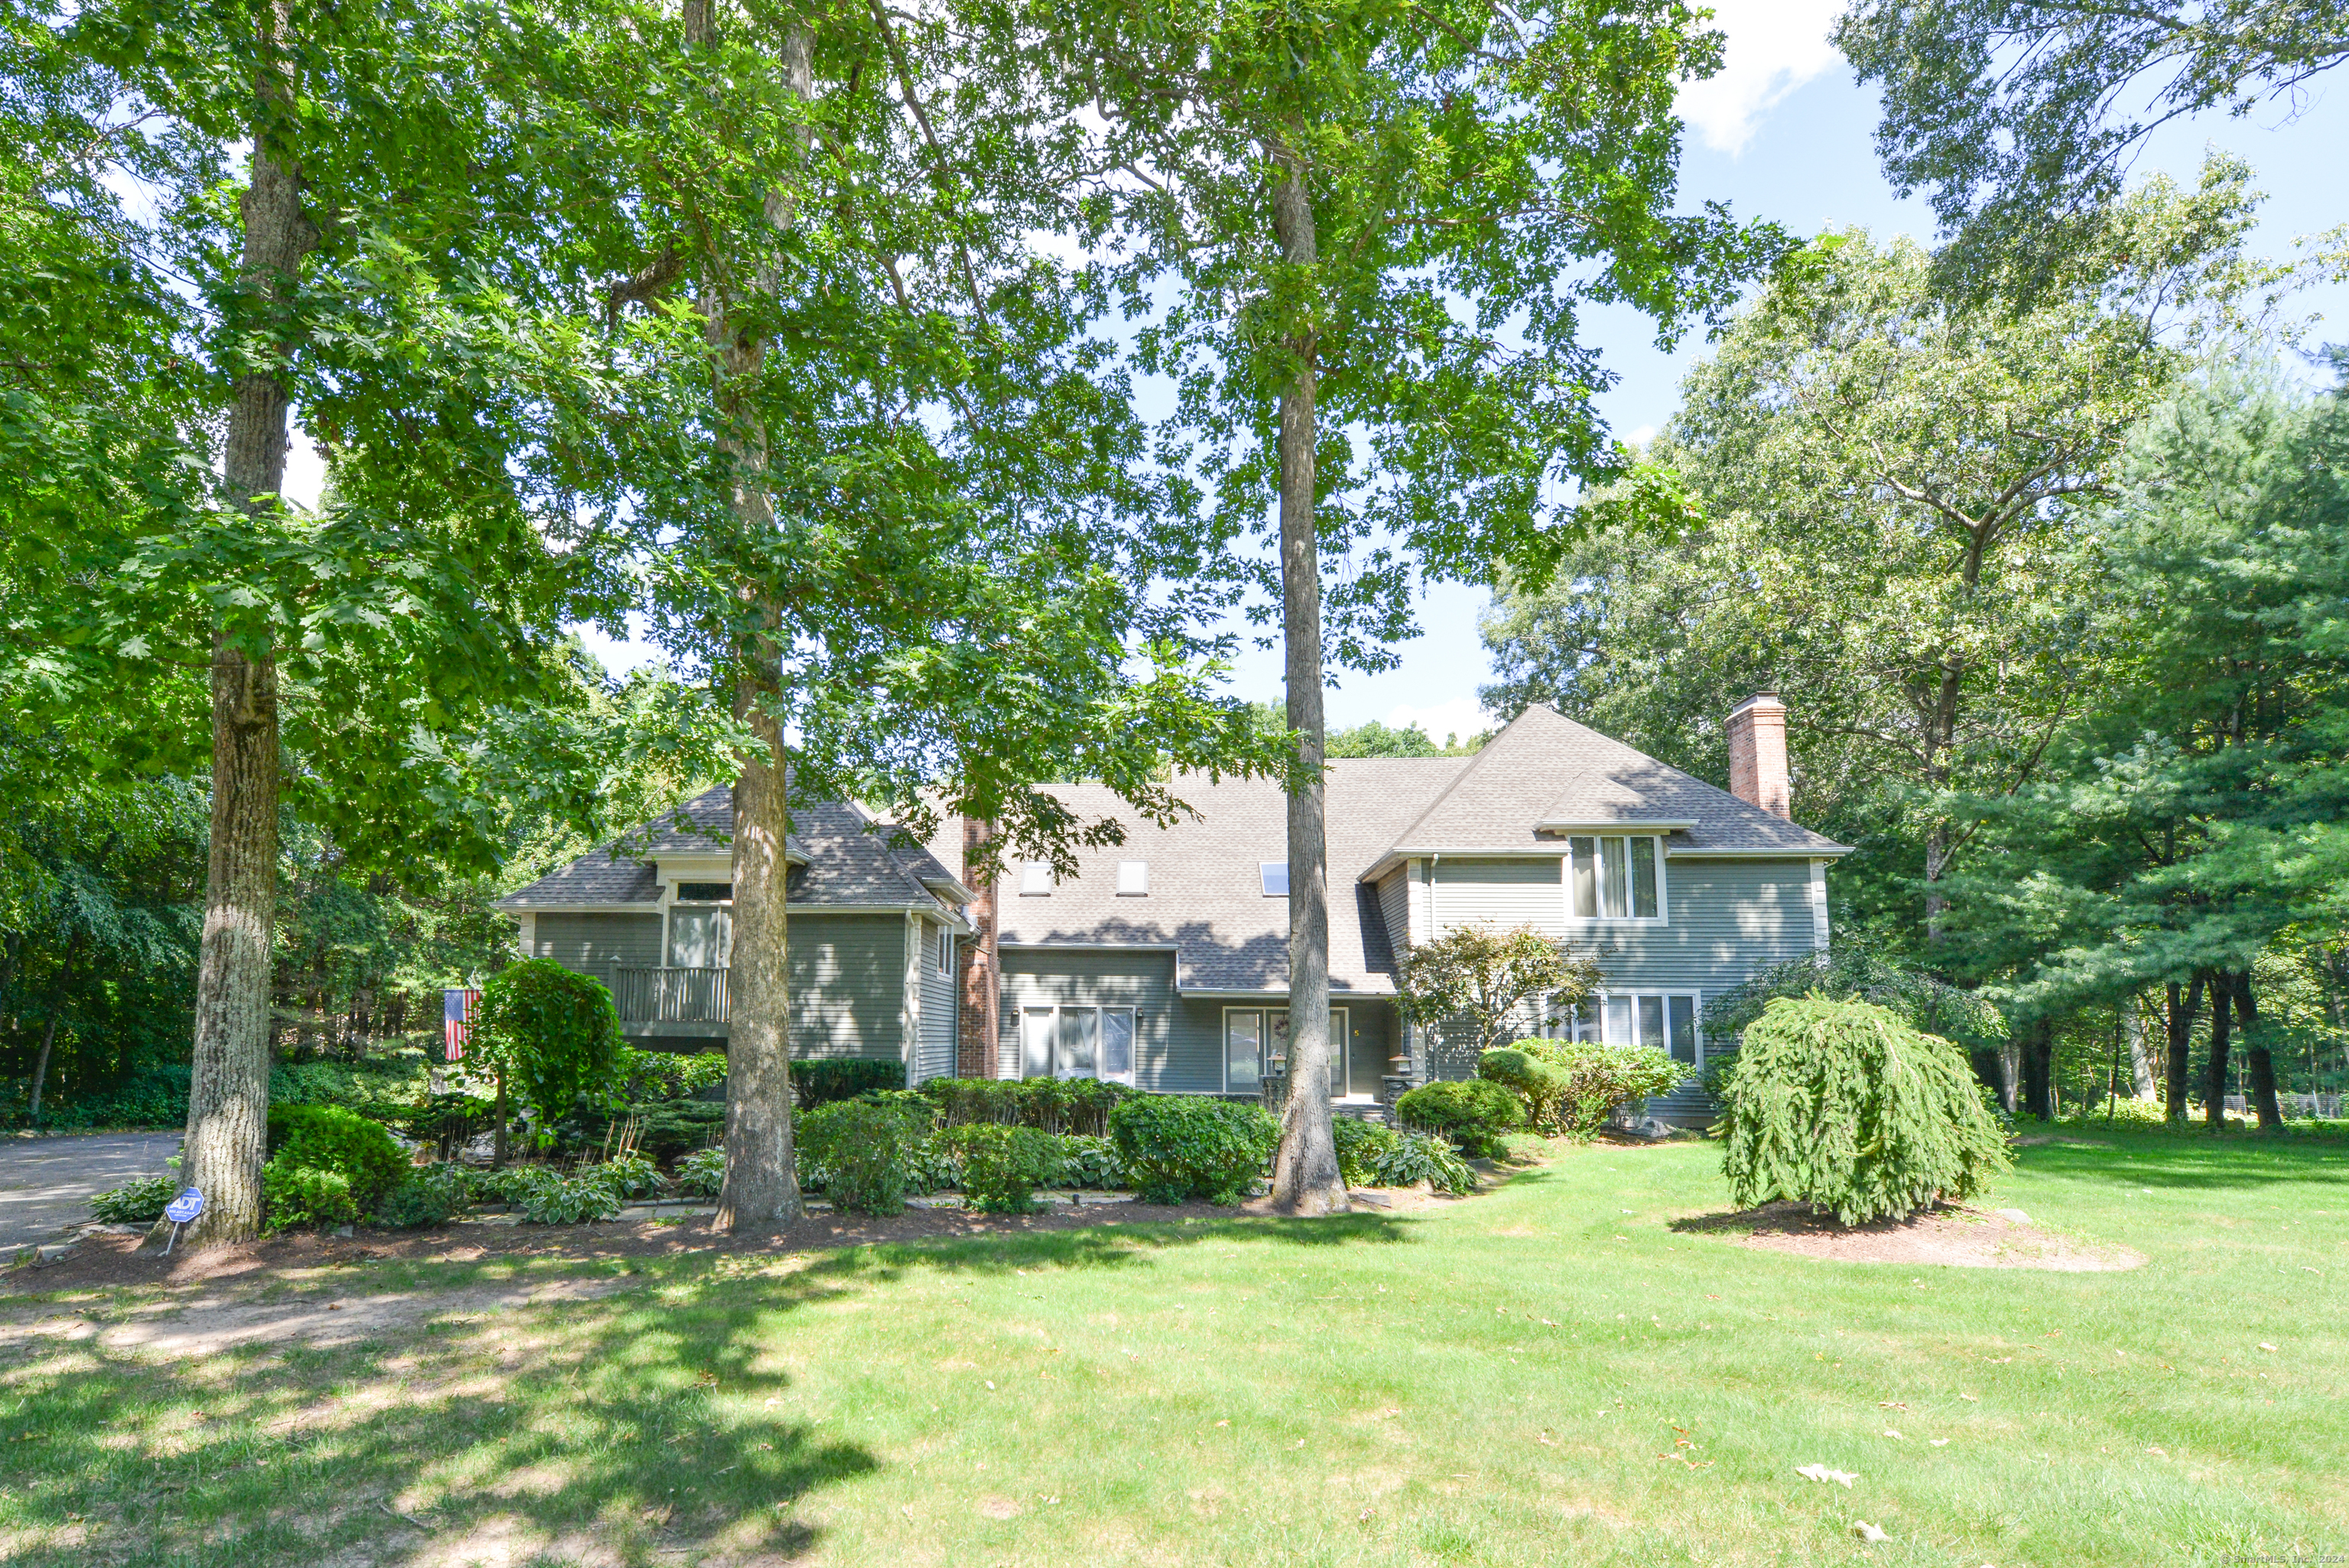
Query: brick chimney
1757,752
979,1033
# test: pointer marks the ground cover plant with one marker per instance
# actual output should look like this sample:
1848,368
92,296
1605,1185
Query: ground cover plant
1535,1377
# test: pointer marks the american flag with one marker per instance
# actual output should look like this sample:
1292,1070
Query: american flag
457,1019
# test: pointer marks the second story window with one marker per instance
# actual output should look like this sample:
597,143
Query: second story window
945,950
1613,878
1133,878
1035,877
1274,876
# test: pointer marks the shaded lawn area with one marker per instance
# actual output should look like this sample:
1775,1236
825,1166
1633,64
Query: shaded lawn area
1547,1375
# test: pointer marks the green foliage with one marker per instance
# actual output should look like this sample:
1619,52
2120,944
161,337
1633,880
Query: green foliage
1417,1157
1074,1106
1092,1163
1492,981
139,1202
357,1152
1852,972
1569,1088
428,1197
1361,1144
646,1075
1473,1113
1003,1166
548,1197
306,1195
702,1174
1176,1146
551,1035
821,1080
865,1156
1843,1106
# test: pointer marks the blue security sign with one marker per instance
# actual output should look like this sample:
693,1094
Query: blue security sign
184,1207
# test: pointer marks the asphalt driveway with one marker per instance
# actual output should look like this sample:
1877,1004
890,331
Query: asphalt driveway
45,1183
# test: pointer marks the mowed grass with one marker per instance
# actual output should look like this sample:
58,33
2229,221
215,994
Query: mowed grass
1547,1375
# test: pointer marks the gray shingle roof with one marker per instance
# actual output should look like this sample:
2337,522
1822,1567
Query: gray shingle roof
1206,898
845,863
1547,769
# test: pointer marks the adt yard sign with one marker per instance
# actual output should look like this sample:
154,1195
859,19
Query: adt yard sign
181,1209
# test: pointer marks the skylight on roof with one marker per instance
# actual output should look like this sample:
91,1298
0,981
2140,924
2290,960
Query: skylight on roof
1276,877
1133,878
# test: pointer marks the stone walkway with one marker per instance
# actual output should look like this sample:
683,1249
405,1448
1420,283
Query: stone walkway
45,1183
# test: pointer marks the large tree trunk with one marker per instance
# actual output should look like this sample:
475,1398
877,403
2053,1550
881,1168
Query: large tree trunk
1305,1175
228,1095
979,1029
2180,1044
761,1189
2214,1073
2257,1057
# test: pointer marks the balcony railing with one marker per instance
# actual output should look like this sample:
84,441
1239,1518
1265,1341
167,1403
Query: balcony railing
669,995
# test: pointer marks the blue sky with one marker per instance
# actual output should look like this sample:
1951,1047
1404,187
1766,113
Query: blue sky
1782,133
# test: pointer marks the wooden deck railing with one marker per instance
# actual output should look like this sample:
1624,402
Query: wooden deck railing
669,995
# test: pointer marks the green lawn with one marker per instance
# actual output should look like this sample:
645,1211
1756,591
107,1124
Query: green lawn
1373,1391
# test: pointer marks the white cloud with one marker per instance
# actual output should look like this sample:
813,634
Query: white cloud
1462,717
1775,48
1642,436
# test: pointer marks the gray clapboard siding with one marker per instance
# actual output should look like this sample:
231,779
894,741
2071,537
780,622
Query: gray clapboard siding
848,984
1096,978
1500,893
598,944
1394,908
935,1057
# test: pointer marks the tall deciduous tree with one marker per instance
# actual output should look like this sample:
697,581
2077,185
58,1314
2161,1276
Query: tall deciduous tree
1384,219
1890,488
2015,115
915,532
311,230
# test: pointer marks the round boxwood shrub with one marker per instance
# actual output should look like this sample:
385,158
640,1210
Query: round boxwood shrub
1843,1106
1178,1145
865,1154
1472,1112
1003,1166
327,1165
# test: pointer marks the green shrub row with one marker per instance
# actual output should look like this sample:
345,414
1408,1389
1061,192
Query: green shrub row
1570,1089
1078,1105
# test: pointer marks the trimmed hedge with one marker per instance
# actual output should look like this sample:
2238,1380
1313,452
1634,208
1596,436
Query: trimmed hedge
1003,1166
1473,1112
867,1155
823,1080
327,1165
1080,1107
1176,1146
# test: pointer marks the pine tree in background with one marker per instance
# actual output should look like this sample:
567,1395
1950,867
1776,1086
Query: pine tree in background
1842,1105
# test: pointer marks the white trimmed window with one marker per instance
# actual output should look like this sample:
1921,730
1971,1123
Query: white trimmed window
1614,877
1077,1043
945,950
1132,879
1274,874
1665,1020
1035,879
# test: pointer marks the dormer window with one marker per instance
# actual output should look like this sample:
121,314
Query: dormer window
1615,878
1035,879
1274,874
1132,879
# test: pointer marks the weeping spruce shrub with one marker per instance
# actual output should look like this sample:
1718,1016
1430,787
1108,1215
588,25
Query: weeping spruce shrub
1842,1105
